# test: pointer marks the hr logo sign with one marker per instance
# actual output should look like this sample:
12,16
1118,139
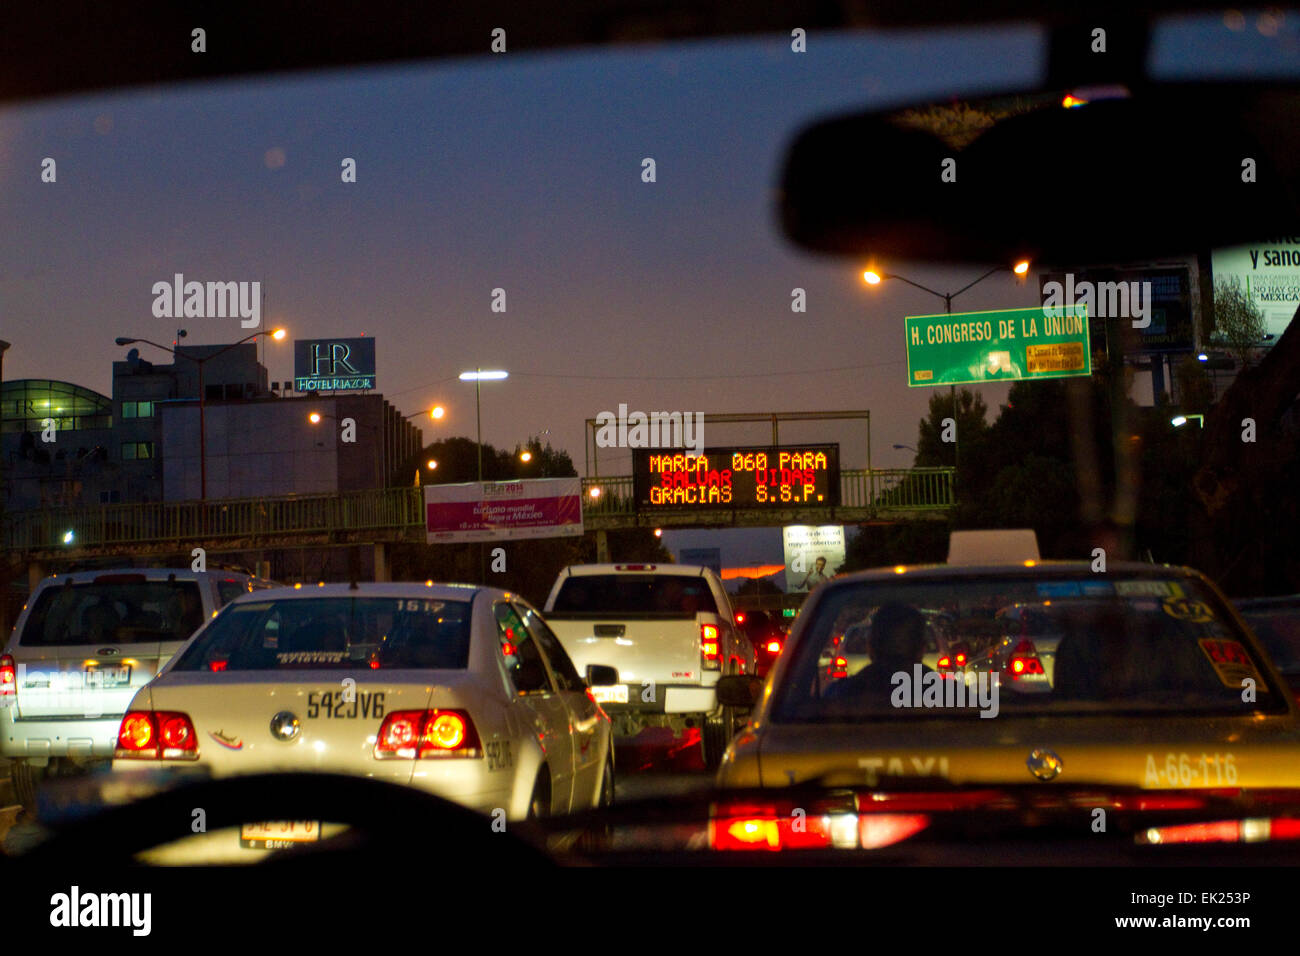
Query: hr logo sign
331,354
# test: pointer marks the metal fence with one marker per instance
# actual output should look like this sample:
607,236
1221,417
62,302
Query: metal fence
387,511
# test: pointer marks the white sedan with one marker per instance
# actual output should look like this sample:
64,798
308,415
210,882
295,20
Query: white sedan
460,690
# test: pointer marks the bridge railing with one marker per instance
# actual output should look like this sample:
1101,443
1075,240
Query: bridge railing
390,510
384,509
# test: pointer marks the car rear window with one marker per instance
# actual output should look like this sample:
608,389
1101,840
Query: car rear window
1098,645
334,634
664,595
116,612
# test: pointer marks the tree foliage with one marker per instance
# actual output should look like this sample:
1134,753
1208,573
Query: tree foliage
1238,322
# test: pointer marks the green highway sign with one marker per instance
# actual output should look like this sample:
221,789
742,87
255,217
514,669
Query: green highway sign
970,348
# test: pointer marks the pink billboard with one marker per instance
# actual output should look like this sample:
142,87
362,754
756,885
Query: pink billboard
503,510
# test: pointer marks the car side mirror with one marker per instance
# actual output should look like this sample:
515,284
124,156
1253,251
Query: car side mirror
739,690
599,675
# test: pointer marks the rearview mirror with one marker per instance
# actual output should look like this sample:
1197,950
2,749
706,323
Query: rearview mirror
1062,177
599,675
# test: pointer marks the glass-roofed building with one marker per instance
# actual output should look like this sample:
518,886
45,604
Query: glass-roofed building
72,469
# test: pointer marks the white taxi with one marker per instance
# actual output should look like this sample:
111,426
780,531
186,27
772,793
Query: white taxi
459,690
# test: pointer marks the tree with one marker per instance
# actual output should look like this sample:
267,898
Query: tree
931,450
1238,322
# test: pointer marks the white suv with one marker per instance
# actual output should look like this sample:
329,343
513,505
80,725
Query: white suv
83,645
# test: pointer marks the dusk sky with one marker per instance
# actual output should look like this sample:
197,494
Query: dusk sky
521,172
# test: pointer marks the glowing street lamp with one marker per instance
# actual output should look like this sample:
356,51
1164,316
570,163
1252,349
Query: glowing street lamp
1020,268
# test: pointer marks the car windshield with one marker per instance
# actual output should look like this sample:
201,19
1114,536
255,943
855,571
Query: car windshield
1099,645
490,296
113,613
333,634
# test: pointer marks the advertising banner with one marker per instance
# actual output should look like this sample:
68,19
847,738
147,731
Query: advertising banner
812,553
503,510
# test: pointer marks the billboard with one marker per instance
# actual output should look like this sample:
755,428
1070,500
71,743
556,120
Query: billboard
1269,272
333,365
503,510
1160,298
972,348
769,476
812,553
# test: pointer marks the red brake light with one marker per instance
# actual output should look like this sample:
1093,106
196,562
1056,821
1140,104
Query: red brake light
157,735
944,663
217,666
961,659
1024,660
740,617
839,668
709,648
414,734
8,677
136,734
774,647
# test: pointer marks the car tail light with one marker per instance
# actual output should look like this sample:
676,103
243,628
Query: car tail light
1024,660
839,668
157,735
774,647
217,666
820,827
710,652
944,663
8,678
416,734
740,617
767,831
960,659
1249,830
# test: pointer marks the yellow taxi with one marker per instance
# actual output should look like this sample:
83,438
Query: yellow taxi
1155,682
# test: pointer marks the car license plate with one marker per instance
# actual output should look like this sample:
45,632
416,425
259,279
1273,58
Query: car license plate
278,833
118,675
611,694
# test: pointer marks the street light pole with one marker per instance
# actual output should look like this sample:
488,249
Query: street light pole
1021,268
478,375
200,362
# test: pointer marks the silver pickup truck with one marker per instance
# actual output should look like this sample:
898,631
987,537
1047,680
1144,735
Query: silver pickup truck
670,632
